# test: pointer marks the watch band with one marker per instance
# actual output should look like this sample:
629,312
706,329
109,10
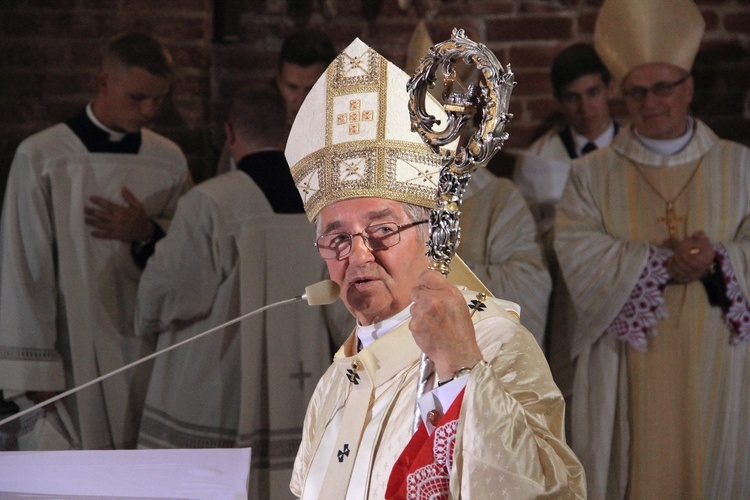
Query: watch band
457,374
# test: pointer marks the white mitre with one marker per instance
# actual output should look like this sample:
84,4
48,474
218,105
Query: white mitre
630,33
352,138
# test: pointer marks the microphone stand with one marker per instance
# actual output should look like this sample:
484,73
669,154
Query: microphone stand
308,295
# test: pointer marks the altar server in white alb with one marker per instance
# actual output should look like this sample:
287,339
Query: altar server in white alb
494,426
653,238
67,291
237,242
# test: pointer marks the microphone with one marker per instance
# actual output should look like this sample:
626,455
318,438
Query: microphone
319,294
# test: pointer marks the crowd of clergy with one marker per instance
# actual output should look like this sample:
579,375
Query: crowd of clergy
623,242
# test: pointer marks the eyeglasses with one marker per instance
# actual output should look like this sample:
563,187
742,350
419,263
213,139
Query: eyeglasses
659,89
376,237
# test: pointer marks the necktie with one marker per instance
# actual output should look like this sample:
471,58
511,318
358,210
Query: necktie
589,147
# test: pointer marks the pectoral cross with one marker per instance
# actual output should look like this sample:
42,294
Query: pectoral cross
671,219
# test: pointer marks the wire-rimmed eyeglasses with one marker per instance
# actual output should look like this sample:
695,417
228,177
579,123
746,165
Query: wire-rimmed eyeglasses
659,89
375,236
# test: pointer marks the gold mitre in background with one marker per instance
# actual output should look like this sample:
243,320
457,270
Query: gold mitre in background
420,44
630,33
352,136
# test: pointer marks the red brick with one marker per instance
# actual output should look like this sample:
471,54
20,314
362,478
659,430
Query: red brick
441,30
534,56
62,110
28,23
69,84
391,33
712,20
97,26
192,85
540,107
196,56
181,28
487,8
737,22
86,53
532,82
22,84
103,5
535,6
51,4
174,5
587,22
530,28
34,53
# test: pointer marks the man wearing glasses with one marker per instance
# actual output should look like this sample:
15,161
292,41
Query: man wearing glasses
653,239
491,417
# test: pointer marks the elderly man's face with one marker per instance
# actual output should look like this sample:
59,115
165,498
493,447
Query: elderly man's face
658,116
375,285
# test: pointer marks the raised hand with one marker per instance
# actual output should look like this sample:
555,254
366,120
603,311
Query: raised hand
117,222
441,325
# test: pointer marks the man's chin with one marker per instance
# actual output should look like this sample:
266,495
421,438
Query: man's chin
364,304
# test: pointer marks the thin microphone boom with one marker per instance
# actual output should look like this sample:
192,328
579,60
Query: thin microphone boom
321,293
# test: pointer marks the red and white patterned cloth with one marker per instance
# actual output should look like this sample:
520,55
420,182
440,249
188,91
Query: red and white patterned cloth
645,306
422,472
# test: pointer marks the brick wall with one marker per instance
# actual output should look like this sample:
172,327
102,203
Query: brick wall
527,34
49,50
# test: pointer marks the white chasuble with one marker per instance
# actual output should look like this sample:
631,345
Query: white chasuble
669,422
510,438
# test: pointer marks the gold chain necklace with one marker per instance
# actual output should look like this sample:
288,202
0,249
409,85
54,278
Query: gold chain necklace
670,218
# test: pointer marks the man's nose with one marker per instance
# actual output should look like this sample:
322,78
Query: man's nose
360,252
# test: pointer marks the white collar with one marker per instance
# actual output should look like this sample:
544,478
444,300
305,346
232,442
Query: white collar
370,333
114,135
601,141
667,147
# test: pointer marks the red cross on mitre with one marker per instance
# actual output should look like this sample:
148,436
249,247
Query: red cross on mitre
354,116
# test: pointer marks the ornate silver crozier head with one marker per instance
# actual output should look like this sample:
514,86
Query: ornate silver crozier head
477,114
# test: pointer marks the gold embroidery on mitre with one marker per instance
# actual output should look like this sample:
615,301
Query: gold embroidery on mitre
352,70
397,170
356,160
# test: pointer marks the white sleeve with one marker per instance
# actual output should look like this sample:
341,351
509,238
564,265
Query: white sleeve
181,279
